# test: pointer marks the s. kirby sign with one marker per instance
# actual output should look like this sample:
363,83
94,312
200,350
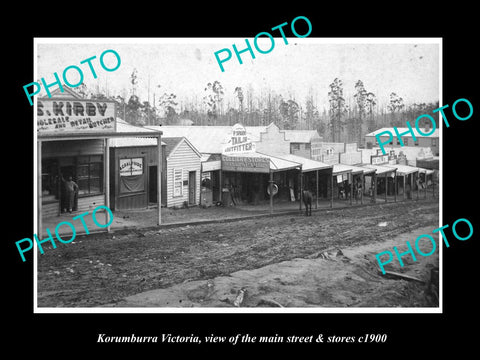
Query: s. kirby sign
54,116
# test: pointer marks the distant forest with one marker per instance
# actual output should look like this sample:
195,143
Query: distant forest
345,120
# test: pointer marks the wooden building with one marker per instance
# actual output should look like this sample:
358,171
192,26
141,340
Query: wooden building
73,141
133,169
181,173
421,141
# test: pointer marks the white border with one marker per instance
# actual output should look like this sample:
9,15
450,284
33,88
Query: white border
309,310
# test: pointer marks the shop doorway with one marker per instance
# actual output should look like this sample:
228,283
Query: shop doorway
152,184
192,177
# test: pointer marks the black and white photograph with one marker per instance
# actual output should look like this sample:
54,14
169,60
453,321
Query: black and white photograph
263,186
277,183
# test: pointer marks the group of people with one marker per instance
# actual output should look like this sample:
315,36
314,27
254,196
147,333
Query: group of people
344,190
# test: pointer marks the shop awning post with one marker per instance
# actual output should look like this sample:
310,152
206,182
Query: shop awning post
351,188
418,182
159,179
425,185
301,190
361,189
386,187
270,185
331,189
39,187
396,184
106,180
316,203
411,186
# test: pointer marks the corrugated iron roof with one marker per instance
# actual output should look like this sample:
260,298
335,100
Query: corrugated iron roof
307,164
212,139
380,169
170,144
403,169
206,139
124,127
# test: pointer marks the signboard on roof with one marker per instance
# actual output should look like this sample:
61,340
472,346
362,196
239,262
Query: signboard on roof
74,116
245,164
238,142
378,159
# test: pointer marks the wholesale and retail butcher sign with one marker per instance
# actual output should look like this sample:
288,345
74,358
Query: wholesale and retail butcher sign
75,116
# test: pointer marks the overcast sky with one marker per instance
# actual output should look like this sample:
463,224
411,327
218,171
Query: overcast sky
408,67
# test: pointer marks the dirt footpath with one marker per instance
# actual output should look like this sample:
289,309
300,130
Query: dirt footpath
287,260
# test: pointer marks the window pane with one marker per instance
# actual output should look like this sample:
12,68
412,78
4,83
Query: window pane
83,159
82,171
96,158
95,169
95,185
82,186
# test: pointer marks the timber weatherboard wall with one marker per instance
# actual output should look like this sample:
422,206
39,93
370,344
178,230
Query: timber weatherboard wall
184,157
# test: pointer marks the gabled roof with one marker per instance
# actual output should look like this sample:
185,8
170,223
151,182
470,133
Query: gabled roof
172,143
206,139
67,93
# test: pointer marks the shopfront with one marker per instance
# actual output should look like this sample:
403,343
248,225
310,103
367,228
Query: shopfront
73,145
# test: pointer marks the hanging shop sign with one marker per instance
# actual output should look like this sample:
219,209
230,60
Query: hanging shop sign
74,116
245,164
274,189
378,159
238,142
130,167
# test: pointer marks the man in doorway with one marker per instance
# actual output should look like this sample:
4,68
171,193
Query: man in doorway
71,188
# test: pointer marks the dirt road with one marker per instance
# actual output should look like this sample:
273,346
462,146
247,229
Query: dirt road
106,269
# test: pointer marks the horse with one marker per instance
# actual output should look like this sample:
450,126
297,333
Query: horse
307,200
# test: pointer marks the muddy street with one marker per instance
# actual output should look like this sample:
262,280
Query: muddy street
105,269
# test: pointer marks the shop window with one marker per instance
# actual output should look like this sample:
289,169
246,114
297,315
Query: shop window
405,141
131,166
434,142
177,182
295,146
307,146
131,175
90,174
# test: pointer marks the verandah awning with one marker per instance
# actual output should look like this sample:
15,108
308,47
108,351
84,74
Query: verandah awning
307,164
381,169
403,170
